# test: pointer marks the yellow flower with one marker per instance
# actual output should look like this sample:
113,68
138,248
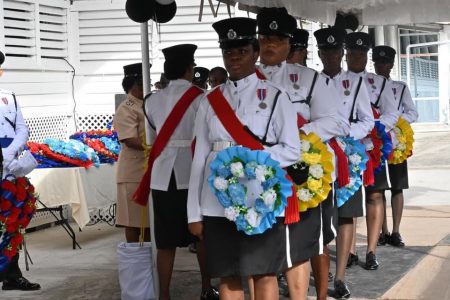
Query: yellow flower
314,184
311,158
401,139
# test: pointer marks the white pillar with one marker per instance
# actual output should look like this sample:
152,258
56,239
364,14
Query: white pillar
444,64
379,35
391,39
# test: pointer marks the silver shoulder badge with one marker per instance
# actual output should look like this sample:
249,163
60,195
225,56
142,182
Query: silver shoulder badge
231,34
273,25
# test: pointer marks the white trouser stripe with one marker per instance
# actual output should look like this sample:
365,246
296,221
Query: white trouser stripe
387,174
332,214
288,248
321,231
363,200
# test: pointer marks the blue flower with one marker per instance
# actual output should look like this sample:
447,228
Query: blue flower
223,171
250,170
241,223
224,199
269,183
261,207
237,193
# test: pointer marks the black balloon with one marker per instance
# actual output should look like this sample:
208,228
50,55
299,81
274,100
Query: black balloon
164,13
351,22
140,11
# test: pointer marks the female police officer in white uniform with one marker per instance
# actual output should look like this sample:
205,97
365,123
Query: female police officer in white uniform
231,254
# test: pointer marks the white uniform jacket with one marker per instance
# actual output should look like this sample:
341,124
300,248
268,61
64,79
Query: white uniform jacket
405,103
345,85
177,154
243,97
386,102
322,113
10,114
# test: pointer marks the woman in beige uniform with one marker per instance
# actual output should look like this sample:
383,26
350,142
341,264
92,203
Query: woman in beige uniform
129,123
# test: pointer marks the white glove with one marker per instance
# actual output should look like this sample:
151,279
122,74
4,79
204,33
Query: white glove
394,139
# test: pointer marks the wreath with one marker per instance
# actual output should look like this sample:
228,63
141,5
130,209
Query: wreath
319,160
405,137
379,145
251,186
357,159
105,143
17,207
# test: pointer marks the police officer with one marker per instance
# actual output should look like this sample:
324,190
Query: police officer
268,114
383,102
171,169
353,105
383,58
299,47
314,104
129,124
13,137
217,76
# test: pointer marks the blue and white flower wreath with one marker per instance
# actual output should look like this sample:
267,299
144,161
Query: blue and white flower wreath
357,159
251,186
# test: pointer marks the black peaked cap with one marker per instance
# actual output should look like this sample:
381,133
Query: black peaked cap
235,31
358,40
328,38
276,21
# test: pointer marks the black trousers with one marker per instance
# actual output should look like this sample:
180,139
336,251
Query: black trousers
12,271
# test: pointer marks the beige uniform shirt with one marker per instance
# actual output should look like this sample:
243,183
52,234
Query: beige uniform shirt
129,123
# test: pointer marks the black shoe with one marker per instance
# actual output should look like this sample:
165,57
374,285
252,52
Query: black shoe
210,294
384,239
330,277
21,284
396,240
371,261
283,289
352,260
341,290
192,247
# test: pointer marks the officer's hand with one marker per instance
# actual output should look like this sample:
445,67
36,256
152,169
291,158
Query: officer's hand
196,229
394,139
8,156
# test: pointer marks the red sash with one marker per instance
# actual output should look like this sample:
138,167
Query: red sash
235,128
169,126
260,74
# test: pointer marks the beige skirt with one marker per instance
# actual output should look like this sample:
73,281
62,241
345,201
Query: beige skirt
129,213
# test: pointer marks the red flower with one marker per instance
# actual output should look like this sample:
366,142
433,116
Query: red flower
21,194
8,186
5,205
12,228
16,240
9,252
28,208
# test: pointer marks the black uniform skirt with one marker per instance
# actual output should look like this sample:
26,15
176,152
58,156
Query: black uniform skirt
382,181
305,237
230,252
354,207
398,175
170,217
329,218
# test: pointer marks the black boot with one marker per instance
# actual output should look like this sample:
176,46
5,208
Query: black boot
341,290
371,261
21,284
396,240
352,260
384,239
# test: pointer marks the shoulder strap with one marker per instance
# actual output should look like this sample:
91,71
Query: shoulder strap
313,84
270,117
13,124
169,126
401,97
145,113
230,121
381,91
351,119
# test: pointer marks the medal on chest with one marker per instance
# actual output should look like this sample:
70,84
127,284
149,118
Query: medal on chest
372,82
262,93
346,85
5,100
294,79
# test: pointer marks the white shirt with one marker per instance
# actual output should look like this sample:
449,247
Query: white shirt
386,103
242,97
322,113
8,110
158,107
345,85
405,103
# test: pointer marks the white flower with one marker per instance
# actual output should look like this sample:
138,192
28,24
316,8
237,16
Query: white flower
260,172
231,213
252,217
397,130
355,159
220,183
401,146
269,198
316,171
352,182
304,195
368,143
305,146
237,169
